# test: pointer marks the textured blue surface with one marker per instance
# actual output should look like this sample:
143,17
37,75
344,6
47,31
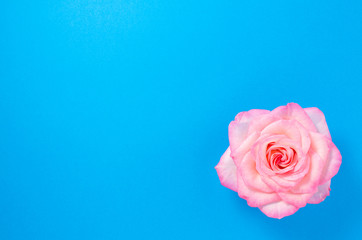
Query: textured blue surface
113,114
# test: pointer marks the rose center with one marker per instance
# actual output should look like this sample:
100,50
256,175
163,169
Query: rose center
281,159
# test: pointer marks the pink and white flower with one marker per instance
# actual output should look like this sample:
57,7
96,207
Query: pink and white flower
280,160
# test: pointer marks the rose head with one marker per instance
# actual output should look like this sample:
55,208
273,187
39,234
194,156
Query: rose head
280,160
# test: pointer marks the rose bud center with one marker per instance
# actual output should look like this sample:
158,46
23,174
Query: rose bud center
281,159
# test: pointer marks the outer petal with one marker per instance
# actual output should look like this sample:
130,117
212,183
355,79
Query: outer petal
334,161
239,153
250,115
259,123
310,182
318,160
323,192
298,200
237,133
320,144
278,209
254,197
295,112
319,120
226,170
238,129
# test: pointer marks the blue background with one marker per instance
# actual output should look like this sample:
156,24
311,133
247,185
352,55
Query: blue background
113,114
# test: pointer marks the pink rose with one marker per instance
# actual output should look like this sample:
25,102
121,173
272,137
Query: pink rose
280,160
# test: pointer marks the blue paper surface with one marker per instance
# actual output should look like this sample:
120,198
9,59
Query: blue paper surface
113,114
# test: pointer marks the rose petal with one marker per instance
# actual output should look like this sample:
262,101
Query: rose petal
237,133
318,159
295,112
334,161
321,194
318,120
262,121
251,176
278,209
319,144
310,182
226,170
254,197
239,153
300,170
250,115
279,182
290,128
283,183
277,186
298,200
238,128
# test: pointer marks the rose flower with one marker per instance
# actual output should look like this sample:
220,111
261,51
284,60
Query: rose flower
280,160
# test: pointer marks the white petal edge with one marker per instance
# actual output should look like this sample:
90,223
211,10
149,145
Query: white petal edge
226,170
278,209
319,120
321,194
